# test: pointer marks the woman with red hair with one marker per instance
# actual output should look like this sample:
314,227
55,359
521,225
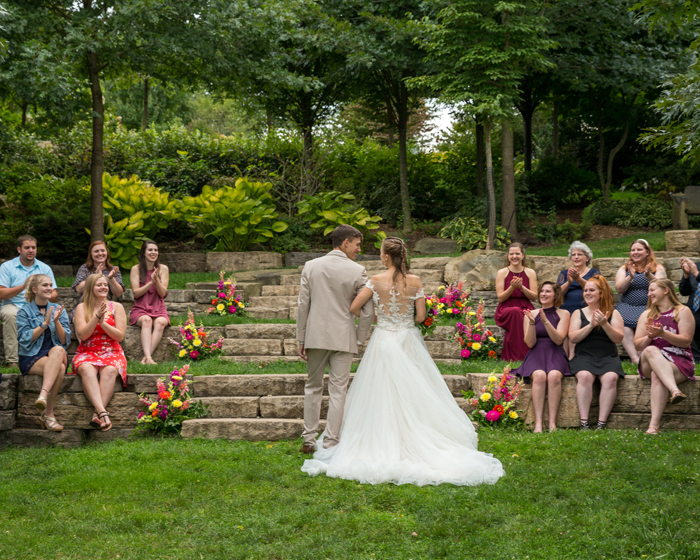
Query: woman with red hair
596,330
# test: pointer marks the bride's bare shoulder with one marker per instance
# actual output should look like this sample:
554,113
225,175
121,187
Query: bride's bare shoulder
381,277
413,281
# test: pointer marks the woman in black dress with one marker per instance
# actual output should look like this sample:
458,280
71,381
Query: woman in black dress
596,330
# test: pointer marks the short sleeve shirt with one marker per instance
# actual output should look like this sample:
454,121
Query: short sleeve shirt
13,273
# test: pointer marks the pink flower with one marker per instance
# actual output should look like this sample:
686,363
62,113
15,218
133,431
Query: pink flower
222,295
140,415
455,311
492,415
232,309
477,338
465,353
164,413
194,354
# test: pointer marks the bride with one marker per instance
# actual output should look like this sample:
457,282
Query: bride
401,424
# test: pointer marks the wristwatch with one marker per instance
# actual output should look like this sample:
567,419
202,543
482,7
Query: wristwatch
43,326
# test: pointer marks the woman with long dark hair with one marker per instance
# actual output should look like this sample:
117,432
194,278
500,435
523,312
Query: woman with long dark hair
149,282
98,262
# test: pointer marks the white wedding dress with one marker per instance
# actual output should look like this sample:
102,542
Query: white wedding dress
401,424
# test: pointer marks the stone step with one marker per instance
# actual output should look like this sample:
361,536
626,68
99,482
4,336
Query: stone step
428,276
232,407
261,359
274,301
42,438
261,331
292,290
290,280
253,347
270,312
249,429
430,263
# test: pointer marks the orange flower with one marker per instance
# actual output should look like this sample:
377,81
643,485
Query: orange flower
498,408
469,344
154,413
214,301
428,321
492,354
458,304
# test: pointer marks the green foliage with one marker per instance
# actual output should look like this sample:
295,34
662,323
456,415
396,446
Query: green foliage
547,230
328,210
470,234
559,181
640,212
295,238
237,217
135,211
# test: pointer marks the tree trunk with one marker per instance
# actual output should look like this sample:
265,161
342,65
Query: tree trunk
402,118
527,110
144,119
555,129
508,219
25,106
97,162
611,157
307,131
480,191
491,239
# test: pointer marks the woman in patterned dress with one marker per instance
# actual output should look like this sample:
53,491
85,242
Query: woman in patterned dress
632,283
664,335
97,262
100,325
514,296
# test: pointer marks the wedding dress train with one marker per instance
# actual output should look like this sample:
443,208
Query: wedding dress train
401,424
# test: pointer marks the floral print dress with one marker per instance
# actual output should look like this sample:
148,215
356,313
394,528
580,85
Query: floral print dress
101,350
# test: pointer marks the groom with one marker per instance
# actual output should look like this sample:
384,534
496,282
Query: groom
326,331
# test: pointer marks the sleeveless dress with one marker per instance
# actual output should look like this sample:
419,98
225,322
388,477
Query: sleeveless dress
401,423
634,301
150,303
545,354
596,353
681,357
573,298
509,315
101,350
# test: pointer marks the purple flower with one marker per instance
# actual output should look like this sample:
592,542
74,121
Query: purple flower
188,336
164,413
459,325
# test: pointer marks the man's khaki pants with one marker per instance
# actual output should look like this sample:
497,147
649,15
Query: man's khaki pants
8,315
338,376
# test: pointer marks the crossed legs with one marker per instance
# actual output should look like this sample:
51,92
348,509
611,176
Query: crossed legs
665,377
541,384
151,333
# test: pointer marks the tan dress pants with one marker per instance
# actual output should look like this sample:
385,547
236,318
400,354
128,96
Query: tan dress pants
338,376
8,315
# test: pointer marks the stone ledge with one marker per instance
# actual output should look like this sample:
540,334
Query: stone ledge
232,407
249,429
42,438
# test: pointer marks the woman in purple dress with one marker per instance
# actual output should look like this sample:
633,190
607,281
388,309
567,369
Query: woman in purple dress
663,337
149,282
546,362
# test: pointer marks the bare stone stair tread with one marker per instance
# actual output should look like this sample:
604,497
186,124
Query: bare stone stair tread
250,429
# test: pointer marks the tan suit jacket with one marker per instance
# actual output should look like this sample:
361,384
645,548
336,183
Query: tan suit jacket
329,285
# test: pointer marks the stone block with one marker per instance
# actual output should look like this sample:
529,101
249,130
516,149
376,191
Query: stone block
109,435
261,330
464,405
435,246
61,269
293,312
250,385
428,276
260,359
299,259
269,313
290,280
252,347
477,268
547,268
7,419
249,289
682,241
628,421
291,347
126,297
609,266
430,263
42,438
8,391
185,262
250,260
179,296
287,407
250,429
232,407
71,384
273,291
457,383
274,301
444,349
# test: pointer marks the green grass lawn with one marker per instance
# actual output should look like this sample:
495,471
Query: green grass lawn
607,248
566,495
178,280
219,321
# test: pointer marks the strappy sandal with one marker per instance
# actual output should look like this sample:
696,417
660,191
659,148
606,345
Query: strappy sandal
653,431
677,397
583,424
40,402
601,425
106,424
95,421
50,423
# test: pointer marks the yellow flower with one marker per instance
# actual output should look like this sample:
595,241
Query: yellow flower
513,414
485,397
177,403
492,379
492,339
197,342
241,304
153,405
476,346
441,305
220,307
177,378
182,353
471,313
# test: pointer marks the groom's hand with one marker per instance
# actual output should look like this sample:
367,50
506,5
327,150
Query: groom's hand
302,353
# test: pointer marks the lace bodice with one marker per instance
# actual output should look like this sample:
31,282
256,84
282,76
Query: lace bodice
395,307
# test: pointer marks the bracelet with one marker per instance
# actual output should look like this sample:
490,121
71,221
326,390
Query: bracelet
43,326
99,317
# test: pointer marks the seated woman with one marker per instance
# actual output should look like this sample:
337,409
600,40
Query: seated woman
97,262
546,362
100,325
596,330
663,337
632,283
149,282
514,295
43,331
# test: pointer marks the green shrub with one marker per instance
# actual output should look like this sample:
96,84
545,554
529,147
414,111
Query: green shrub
470,234
236,217
328,210
295,238
559,181
641,212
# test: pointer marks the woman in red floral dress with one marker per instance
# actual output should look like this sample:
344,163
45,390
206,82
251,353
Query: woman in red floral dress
100,325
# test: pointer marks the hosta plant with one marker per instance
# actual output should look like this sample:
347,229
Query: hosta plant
470,234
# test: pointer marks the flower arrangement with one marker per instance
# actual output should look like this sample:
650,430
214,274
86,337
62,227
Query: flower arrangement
226,301
452,299
172,407
428,326
194,341
496,404
475,338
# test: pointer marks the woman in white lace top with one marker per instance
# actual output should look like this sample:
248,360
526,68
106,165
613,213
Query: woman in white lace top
401,423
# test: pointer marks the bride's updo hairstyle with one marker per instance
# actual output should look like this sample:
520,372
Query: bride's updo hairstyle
395,249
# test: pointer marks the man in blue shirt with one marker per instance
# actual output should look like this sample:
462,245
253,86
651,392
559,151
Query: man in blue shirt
14,275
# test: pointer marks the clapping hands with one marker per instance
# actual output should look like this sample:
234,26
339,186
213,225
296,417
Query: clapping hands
529,315
689,267
57,313
155,276
101,311
654,329
516,282
631,268
599,318
573,275
113,272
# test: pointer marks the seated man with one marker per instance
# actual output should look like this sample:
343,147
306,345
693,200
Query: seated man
13,283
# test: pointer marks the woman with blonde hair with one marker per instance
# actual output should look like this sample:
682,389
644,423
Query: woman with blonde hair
596,330
632,283
100,325
664,335
514,296
43,333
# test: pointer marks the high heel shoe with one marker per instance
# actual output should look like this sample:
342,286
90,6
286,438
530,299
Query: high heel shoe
40,402
50,423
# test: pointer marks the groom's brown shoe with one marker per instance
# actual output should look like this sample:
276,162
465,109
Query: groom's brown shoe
308,448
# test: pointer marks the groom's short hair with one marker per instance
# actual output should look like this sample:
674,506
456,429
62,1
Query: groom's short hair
343,232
